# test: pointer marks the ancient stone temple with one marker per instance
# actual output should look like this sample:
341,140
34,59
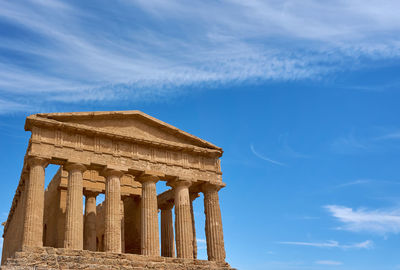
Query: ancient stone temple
121,155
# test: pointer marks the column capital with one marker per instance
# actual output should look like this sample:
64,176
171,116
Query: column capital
90,193
33,160
212,186
147,178
167,205
111,172
74,167
178,182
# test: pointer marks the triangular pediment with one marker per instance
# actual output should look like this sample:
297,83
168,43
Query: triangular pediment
135,124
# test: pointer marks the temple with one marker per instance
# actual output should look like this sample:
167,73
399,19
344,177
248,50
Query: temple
121,154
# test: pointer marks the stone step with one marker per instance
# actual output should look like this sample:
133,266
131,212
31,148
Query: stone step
54,258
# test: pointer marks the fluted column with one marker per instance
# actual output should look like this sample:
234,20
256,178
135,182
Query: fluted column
122,209
193,196
183,220
25,177
167,231
150,244
34,204
73,216
214,233
89,234
112,223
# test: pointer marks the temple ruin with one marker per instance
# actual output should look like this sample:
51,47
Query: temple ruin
121,154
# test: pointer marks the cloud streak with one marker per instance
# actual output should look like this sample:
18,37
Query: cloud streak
264,157
328,262
332,244
71,52
358,182
379,221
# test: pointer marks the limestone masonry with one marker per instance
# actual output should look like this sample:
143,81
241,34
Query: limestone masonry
122,155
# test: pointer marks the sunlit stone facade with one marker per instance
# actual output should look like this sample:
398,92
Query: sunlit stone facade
121,155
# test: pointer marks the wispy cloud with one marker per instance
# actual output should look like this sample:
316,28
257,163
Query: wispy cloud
328,262
354,183
350,144
332,244
367,140
393,135
288,150
379,221
264,157
7,106
150,49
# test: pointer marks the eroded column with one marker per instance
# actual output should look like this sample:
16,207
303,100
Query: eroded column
150,244
89,233
25,177
74,211
193,196
214,233
34,204
183,220
112,223
167,231
122,226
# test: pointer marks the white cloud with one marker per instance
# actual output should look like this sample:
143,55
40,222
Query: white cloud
328,262
332,244
151,49
379,221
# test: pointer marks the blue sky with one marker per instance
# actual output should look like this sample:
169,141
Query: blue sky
303,96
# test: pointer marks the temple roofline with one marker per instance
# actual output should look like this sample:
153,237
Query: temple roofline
122,114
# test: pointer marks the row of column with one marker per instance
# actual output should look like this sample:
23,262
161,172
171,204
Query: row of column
186,244
74,228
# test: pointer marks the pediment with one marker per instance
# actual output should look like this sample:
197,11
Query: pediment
134,124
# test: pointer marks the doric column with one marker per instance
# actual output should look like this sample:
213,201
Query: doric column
89,234
73,217
150,244
34,204
167,231
214,233
112,223
193,196
122,226
183,219
25,179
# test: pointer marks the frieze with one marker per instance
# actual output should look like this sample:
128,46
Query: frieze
86,157
100,145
